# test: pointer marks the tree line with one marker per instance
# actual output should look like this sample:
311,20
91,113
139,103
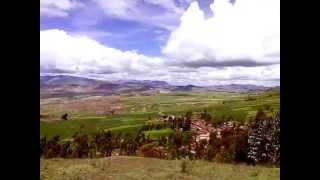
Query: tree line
257,142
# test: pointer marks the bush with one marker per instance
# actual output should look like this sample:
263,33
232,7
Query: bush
52,148
152,150
228,149
43,144
80,145
66,150
201,150
103,142
64,116
185,166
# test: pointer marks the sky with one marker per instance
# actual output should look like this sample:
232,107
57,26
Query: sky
182,42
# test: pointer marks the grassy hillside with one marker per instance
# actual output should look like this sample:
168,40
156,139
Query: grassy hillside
130,168
135,110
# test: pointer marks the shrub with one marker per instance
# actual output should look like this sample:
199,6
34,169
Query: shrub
43,144
185,166
201,150
80,145
103,142
52,147
227,149
64,116
66,150
152,150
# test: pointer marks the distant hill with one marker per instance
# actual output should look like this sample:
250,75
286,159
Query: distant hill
66,85
61,80
238,88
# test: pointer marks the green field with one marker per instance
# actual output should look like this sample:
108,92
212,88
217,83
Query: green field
125,123
137,168
137,109
156,134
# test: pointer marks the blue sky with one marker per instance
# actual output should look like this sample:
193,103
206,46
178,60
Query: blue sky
171,40
117,31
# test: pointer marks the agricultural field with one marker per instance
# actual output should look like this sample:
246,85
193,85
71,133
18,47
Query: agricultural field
156,134
136,168
132,111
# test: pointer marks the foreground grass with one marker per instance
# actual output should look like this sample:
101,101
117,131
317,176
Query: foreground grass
130,168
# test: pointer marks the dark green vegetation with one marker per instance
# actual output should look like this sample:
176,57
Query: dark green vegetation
257,142
134,110
136,168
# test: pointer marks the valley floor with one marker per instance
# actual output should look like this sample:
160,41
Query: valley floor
131,168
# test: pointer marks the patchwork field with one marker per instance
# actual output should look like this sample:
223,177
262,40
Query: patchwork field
132,111
131,168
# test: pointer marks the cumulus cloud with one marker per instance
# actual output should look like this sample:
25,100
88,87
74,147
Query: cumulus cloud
244,33
238,45
57,8
65,52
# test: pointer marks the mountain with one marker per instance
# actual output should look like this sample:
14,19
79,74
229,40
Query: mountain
237,88
143,84
62,80
66,85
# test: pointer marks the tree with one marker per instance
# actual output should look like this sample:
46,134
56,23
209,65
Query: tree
103,141
92,149
213,146
189,114
112,111
261,115
66,150
201,149
206,116
43,145
53,147
64,116
80,144
275,139
242,147
187,124
264,140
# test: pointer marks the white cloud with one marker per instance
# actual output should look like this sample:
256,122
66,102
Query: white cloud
64,52
206,76
159,13
244,34
57,8
239,44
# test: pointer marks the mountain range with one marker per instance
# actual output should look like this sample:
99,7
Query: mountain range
67,85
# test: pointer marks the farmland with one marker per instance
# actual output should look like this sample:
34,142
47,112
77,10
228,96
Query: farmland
132,111
128,114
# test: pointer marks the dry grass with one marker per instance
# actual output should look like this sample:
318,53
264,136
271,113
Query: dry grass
131,168
97,105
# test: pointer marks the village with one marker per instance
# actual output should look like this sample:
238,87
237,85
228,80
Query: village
201,129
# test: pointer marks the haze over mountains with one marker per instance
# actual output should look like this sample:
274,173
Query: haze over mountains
66,85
